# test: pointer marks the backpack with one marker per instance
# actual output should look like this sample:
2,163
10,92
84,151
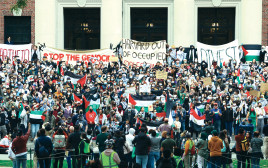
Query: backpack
86,147
43,152
59,141
244,145
192,147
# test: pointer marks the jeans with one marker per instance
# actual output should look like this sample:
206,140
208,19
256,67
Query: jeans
34,129
200,161
255,162
3,131
236,128
44,163
99,127
68,159
217,125
142,160
182,126
14,163
260,125
241,159
153,157
229,126
21,160
75,159
215,161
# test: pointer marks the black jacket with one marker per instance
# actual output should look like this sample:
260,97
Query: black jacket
166,163
227,114
73,141
132,119
43,141
142,143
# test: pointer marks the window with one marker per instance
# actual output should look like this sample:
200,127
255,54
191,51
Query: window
81,28
149,24
216,26
18,28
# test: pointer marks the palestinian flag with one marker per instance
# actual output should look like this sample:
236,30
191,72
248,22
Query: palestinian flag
94,101
77,99
36,116
238,76
86,103
22,108
73,77
251,51
82,81
142,101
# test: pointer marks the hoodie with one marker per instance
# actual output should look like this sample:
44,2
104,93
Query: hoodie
116,158
130,137
142,143
215,145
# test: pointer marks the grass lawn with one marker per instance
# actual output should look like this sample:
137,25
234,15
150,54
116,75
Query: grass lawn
8,163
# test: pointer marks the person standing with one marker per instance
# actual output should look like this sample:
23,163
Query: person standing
182,116
252,115
142,143
165,126
187,156
216,114
215,145
90,117
228,116
73,143
35,54
241,157
59,143
154,154
202,146
19,147
109,158
260,115
256,144
129,138
101,138
3,129
168,143
9,41
43,149
100,120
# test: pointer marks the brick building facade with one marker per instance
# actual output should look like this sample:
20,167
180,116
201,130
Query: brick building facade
29,10
265,22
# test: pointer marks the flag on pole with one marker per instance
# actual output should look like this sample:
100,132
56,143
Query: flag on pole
77,99
238,76
82,81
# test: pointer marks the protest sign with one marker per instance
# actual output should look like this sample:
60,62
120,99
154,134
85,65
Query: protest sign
219,53
113,59
244,67
207,81
131,90
10,51
264,87
150,108
161,75
71,57
145,88
137,52
254,93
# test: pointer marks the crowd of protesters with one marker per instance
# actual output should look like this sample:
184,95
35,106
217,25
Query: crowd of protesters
111,136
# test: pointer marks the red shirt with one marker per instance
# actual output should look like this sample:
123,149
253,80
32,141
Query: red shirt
90,116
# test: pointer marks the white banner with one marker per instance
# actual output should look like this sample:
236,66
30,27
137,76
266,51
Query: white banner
10,51
145,88
219,53
71,57
137,52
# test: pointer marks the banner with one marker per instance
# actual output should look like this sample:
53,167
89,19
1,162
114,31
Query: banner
71,57
137,52
161,75
10,51
219,53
